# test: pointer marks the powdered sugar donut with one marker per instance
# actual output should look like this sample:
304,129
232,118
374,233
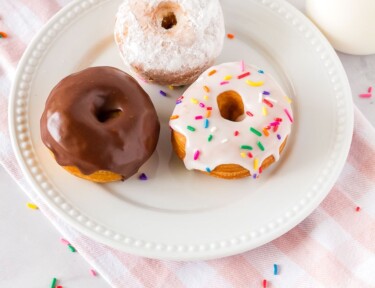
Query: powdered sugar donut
232,122
169,41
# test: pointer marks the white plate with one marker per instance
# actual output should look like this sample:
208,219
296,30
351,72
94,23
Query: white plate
178,214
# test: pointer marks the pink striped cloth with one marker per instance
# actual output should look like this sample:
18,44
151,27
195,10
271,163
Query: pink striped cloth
333,247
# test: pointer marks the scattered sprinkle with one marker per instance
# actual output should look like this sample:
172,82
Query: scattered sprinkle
276,123
212,72
264,283
228,77
163,93
255,176
3,35
53,283
249,155
288,99
268,103
265,132
143,177
255,131
194,101
71,248
279,136
196,155
32,206
59,286
93,272
213,129
243,75
369,90
199,117
242,65
260,170
230,36
208,113
248,113
275,269
178,102
206,89
366,95
260,71
63,241
208,170
191,128
205,97
210,138
224,140
202,105
236,133
266,93
357,209
279,119
256,164
173,117
209,108
264,111
170,87
243,154
246,147
254,84
224,82
206,123
288,114
260,145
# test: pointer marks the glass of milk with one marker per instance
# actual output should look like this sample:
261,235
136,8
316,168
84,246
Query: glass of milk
348,24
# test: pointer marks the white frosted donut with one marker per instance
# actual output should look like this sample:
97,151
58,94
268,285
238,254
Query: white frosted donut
169,42
219,131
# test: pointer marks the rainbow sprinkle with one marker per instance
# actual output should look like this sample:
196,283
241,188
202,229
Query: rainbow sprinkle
206,123
230,36
246,147
357,209
212,72
210,138
196,155
202,105
142,177
206,89
265,132
170,87
256,164
255,131
162,93
260,71
3,35
53,283
243,75
205,97
200,117
236,133
255,84
66,242
71,248
228,77
93,272
279,136
208,113
255,176
248,113
191,128
365,95
213,129
32,206
288,99
264,283
369,90
224,82
260,145
249,155
288,114
173,117
266,93
264,111
275,269
268,103
194,101
208,170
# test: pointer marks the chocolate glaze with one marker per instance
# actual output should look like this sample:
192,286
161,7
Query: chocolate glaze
100,119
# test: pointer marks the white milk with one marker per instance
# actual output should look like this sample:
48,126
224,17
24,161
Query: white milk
348,24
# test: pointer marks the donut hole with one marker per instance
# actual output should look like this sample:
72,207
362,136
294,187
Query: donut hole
104,115
168,21
231,106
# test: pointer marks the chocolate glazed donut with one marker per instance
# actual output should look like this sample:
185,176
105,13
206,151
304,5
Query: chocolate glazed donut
100,122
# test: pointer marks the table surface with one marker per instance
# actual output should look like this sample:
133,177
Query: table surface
32,254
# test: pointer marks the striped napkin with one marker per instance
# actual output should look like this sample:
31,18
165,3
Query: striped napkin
333,247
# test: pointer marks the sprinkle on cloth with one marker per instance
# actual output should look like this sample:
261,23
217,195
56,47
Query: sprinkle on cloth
32,206
143,177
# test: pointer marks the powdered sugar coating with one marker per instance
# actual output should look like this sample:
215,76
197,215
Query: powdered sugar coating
192,43
220,141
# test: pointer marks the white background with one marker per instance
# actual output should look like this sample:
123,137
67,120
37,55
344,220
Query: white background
31,253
